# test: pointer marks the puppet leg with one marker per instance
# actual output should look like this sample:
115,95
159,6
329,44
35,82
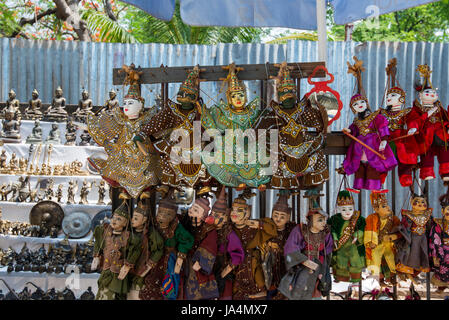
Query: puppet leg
405,174
443,160
426,165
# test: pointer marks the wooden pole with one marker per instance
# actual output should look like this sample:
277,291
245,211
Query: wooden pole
365,145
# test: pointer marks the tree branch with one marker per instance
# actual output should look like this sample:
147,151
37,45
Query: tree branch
108,10
24,21
67,10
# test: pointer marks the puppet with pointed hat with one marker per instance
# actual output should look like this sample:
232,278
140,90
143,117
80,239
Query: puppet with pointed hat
236,160
180,158
116,250
369,157
127,166
163,280
301,162
347,227
432,121
230,252
402,130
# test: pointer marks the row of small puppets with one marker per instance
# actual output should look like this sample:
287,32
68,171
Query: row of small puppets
220,253
396,136
140,146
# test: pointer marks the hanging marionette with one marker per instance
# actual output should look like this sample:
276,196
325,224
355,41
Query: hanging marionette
308,254
412,255
439,246
126,166
179,118
347,227
301,161
382,229
273,262
236,162
249,282
230,252
116,252
402,133
431,119
163,280
199,279
152,248
369,156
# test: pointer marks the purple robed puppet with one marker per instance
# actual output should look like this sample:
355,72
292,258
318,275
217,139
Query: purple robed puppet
308,253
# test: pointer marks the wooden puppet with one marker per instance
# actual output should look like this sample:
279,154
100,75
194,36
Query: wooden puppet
369,156
347,227
382,229
301,161
308,253
230,252
116,250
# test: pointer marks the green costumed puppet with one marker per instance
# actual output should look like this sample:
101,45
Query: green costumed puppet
347,227
116,250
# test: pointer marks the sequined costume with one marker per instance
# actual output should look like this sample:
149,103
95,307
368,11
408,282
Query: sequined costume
126,166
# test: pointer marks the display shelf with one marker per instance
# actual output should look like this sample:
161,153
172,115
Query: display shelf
34,243
78,283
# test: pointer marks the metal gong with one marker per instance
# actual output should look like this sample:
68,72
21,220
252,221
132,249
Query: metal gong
76,225
48,212
101,217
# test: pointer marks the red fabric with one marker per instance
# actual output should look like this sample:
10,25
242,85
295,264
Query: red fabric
426,129
427,162
209,244
407,149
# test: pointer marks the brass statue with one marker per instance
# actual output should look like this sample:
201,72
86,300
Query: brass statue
112,102
71,190
36,133
57,170
13,102
56,111
3,159
11,125
59,193
84,107
85,189
70,133
49,192
33,111
101,192
85,138
54,137
13,164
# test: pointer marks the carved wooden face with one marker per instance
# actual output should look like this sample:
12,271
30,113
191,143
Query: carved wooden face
428,96
138,220
164,216
238,99
318,222
395,100
118,223
220,218
346,211
280,219
239,214
132,108
419,204
384,210
359,106
445,213
196,214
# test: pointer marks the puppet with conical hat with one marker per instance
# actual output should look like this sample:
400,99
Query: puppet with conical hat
167,126
381,230
402,139
116,251
249,282
230,252
412,255
152,248
236,162
126,166
364,157
432,122
163,280
199,278
439,246
273,262
308,254
300,158
347,227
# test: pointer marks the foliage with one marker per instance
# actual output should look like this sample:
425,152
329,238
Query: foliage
8,22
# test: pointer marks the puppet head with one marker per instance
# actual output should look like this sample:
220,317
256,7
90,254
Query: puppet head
133,102
120,217
418,203
281,212
345,205
140,217
199,211
189,90
166,211
285,85
380,205
220,210
240,212
236,92
316,220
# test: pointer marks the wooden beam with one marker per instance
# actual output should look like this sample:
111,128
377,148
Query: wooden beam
215,73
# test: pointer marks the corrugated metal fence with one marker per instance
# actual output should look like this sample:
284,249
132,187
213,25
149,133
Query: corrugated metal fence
44,65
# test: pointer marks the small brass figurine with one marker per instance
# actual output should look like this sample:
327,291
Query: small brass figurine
3,159
59,193
75,169
101,192
71,190
13,102
54,137
11,125
84,107
33,111
85,138
13,164
57,170
49,192
112,102
36,133
65,170
57,112
85,189
4,192
70,133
